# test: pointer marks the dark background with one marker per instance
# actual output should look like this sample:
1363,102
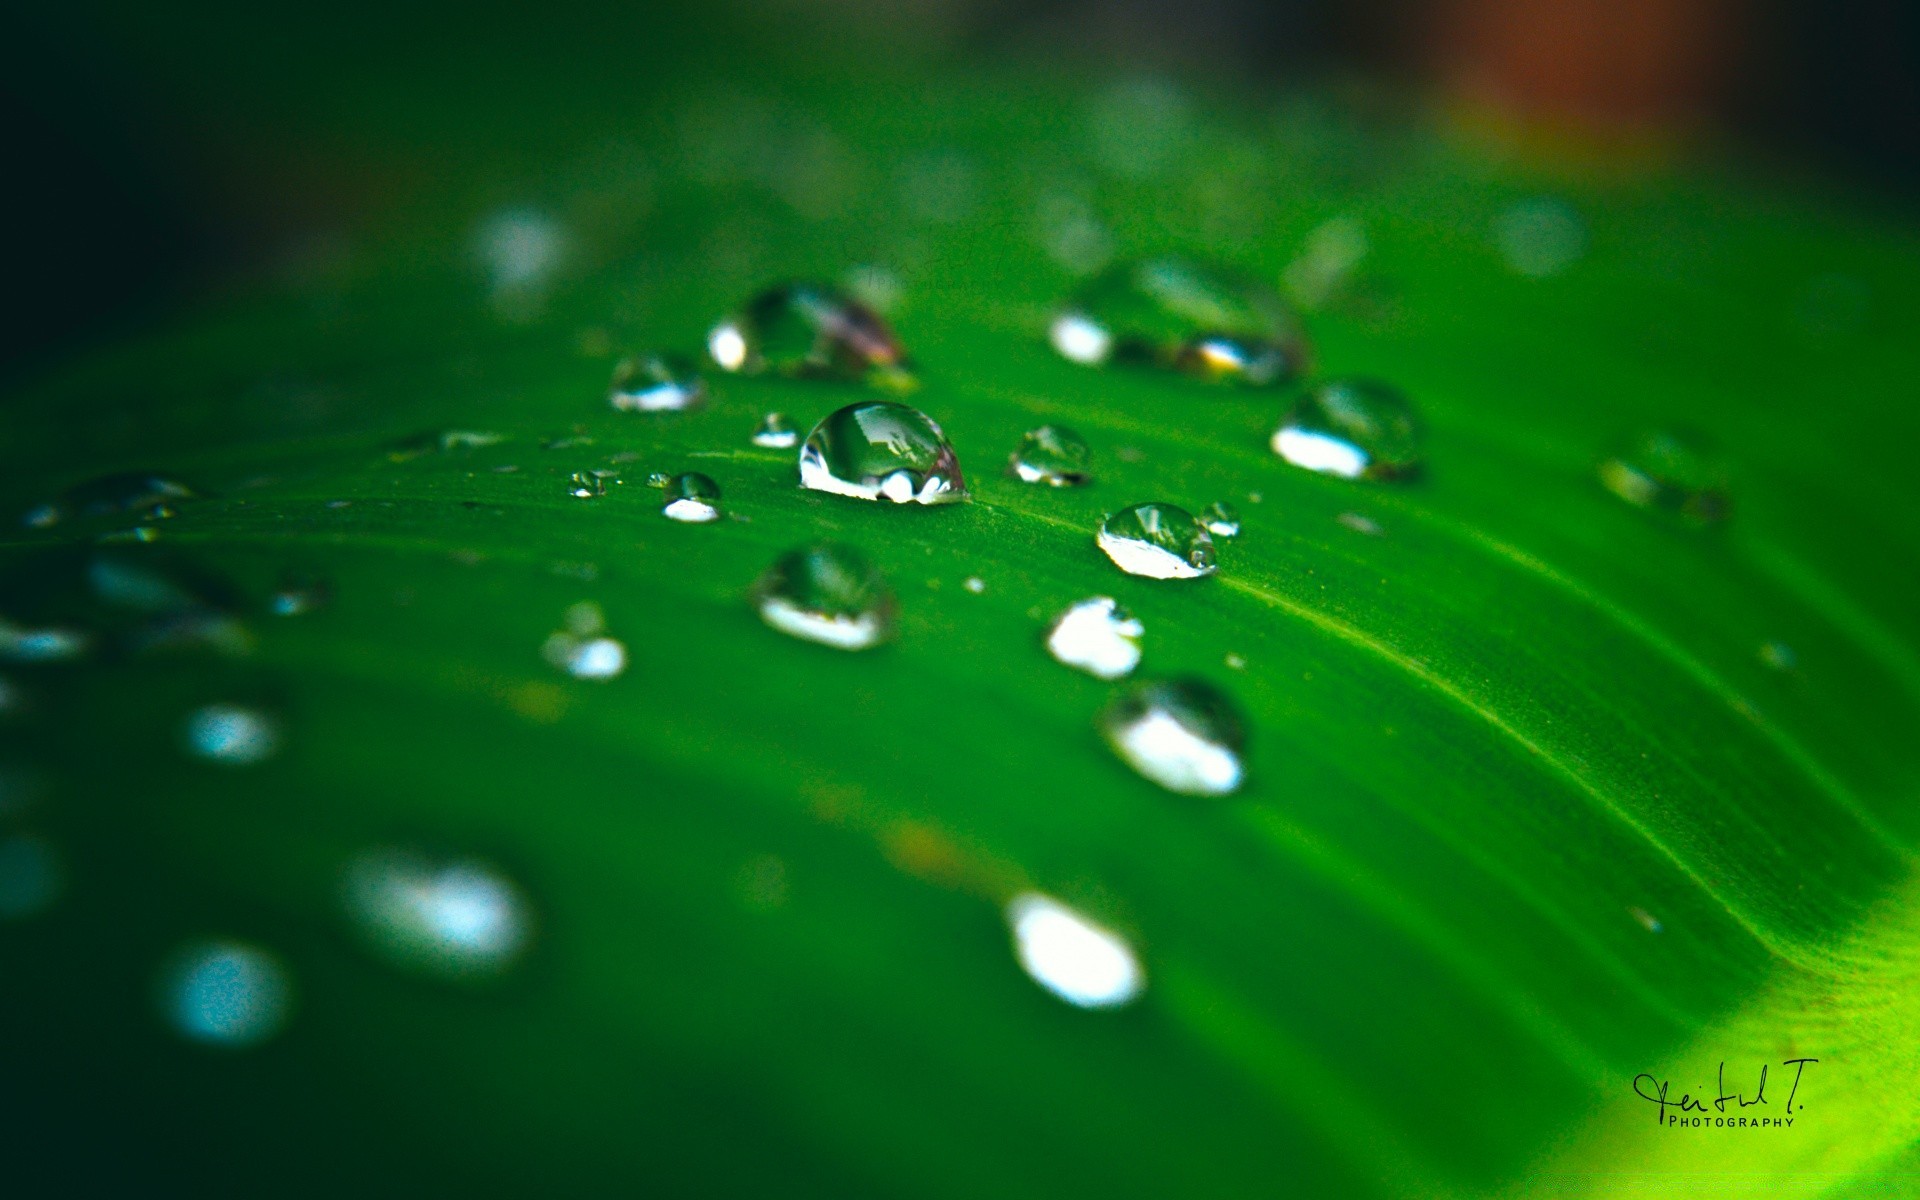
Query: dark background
153,149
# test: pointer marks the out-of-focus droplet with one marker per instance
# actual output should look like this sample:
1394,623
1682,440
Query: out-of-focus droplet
586,485
828,594
693,498
26,644
225,993
878,450
1182,734
1353,428
30,876
454,917
1221,519
1779,656
1361,524
582,649
1674,471
974,584
1646,919
1177,315
656,383
521,249
232,735
1067,953
1097,636
809,330
1540,236
298,595
146,494
1053,455
775,433
1157,541
1328,262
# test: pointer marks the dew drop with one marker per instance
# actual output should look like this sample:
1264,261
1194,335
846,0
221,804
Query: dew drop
455,917
882,451
693,498
775,433
1182,734
1676,471
1202,321
1221,519
828,594
812,330
1053,455
582,649
225,993
30,876
1097,636
232,735
1081,962
1157,541
586,485
974,584
1353,428
655,383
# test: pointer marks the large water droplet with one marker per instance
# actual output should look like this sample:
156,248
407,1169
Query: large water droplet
225,993
692,497
882,451
1097,636
1221,519
1157,541
656,383
1053,455
448,916
1677,471
811,330
1177,315
1353,428
1081,962
1182,734
775,433
231,734
828,594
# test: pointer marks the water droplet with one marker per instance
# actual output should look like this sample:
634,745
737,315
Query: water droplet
1157,541
30,876
1053,455
1182,734
1677,471
520,248
692,497
1097,636
828,594
1081,962
231,734
775,433
1779,656
19,643
1180,316
586,485
974,584
656,383
456,917
1236,663
1353,428
1221,519
226,993
299,595
810,330
581,649
1539,237
882,451
1361,524
658,479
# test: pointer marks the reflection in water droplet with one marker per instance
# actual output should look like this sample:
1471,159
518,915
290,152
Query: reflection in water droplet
1353,428
882,451
1180,316
1053,455
225,993
775,433
1182,734
812,330
1157,541
828,594
1539,237
586,485
231,734
18,643
692,497
1065,952
30,876
451,917
655,383
1097,636
1677,471
1221,519
1779,656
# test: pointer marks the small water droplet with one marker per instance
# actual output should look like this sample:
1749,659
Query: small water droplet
656,383
692,497
812,330
775,433
1236,663
828,594
1202,321
585,485
581,649
1353,428
226,993
454,917
1361,524
1221,519
1539,237
30,876
1067,953
1157,541
1053,455
1779,656
232,734
1677,471
974,584
1182,734
882,451
1097,636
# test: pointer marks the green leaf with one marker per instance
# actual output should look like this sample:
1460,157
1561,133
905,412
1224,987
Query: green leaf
1527,812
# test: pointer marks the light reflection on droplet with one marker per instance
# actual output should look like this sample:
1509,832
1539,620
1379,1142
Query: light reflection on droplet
232,734
1182,734
1067,953
226,993
1097,636
452,917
